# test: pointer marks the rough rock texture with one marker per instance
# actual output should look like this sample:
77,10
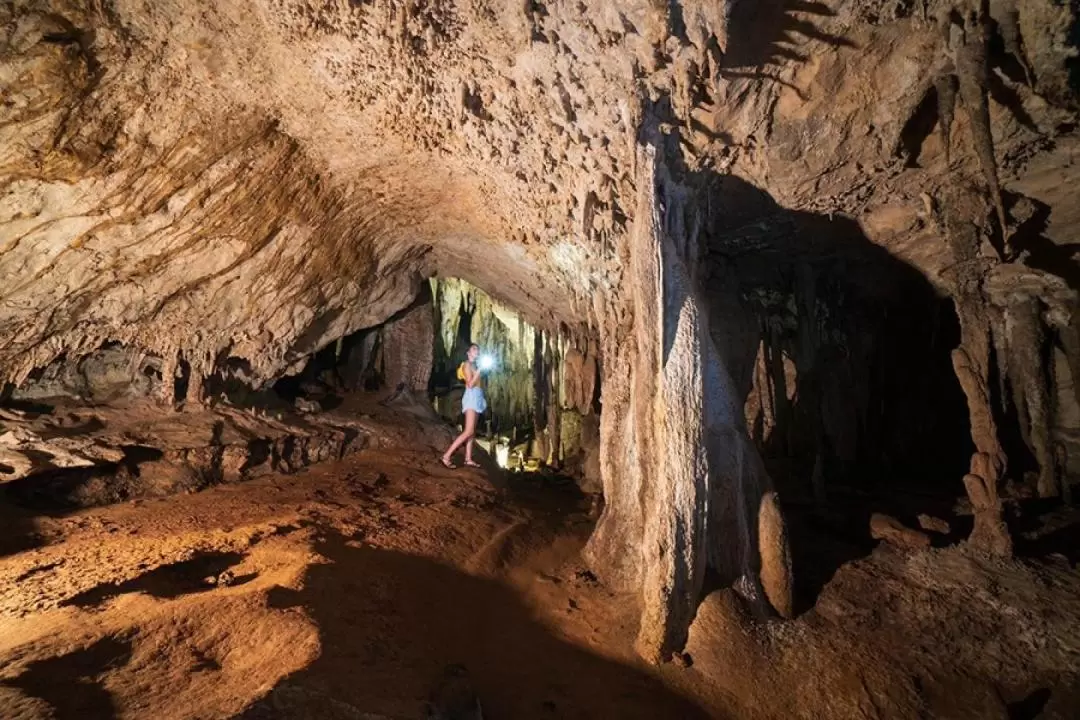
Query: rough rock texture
237,184
952,620
487,142
82,458
408,342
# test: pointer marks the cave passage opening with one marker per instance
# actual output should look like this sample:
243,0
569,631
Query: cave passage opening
542,387
537,415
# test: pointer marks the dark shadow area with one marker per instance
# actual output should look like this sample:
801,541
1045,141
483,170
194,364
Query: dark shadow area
1043,527
1064,540
391,624
58,491
1031,706
320,381
72,683
203,572
19,532
821,543
764,33
136,454
923,122
33,408
72,425
1042,252
844,354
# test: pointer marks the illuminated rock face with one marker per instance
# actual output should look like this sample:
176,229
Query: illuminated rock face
228,187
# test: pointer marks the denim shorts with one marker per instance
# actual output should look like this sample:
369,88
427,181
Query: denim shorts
473,399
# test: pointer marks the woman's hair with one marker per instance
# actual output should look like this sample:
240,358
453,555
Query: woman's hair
474,345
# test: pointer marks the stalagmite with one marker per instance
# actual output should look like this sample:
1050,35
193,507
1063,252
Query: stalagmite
776,570
682,481
990,533
971,362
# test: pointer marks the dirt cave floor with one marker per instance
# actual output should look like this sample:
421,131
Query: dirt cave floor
383,585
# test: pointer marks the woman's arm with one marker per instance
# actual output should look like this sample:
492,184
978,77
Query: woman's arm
472,377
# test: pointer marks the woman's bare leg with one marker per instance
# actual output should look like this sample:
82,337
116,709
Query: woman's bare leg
470,432
465,436
469,442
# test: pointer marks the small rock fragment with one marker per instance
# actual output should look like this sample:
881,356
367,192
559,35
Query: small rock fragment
889,529
307,406
934,524
682,659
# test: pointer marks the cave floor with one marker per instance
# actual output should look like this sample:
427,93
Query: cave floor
360,588
351,587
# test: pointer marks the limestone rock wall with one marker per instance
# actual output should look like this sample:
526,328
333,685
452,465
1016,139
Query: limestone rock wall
408,342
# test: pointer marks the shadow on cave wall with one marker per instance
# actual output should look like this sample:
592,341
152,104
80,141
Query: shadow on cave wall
843,353
768,33
1042,252
851,344
767,30
391,625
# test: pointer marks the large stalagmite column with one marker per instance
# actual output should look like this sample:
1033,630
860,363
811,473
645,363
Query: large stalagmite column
672,442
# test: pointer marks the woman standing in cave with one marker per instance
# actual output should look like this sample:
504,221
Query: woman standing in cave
473,405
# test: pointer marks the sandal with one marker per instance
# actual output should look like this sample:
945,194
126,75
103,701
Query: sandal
449,464
470,463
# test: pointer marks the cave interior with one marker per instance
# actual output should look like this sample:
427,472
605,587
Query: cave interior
780,315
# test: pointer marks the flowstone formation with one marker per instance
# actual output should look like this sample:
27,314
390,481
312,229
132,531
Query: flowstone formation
224,190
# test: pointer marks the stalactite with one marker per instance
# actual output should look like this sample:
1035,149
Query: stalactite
1007,17
540,394
169,366
973,74
1029,381
196,384
999,334
946,86
554,429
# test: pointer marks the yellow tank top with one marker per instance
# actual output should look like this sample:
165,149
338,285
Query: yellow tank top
461,376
